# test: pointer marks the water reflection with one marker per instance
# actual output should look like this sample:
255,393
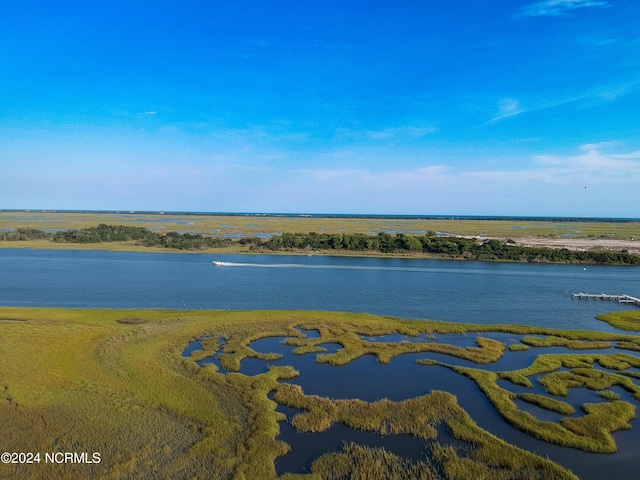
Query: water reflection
307,447
470,292
210,357
366,379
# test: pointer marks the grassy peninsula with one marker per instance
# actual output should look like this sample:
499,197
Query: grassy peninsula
247,225
341,241
115,382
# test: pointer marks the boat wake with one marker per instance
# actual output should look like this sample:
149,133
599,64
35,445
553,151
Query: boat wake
326,267
461,270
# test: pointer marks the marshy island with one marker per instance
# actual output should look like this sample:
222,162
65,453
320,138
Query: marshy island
534,240
241,371
204,394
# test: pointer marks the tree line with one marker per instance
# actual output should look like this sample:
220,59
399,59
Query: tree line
429,243
443,246
121,233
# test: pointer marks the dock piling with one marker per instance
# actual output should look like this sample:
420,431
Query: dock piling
604,296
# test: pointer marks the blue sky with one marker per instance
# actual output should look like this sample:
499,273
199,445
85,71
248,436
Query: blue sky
492,107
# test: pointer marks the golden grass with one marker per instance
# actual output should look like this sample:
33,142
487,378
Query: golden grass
355,461
81,380
591,433
629,320
558,383
554,341
355,346
441,461
256,225
548,403
418,417
609,395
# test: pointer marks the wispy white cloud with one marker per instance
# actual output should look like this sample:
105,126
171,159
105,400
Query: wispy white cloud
595,96
603,94
555,8
400,132
507,107
238,176
405,133
590,163
539,185
381,180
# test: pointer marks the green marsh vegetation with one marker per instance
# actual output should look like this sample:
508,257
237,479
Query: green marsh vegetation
115,382
629,320
487,457
548,403
117,237
590,432
252,225
440,238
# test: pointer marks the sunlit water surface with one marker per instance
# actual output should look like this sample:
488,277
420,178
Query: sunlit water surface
456,291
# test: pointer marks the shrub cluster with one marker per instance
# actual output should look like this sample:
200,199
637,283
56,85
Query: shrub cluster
430,243
121,233
446,246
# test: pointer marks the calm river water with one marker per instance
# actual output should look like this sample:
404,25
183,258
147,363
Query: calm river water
457,291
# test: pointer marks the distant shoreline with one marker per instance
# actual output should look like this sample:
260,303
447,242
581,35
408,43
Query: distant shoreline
578,244
528,249
534,218
327,235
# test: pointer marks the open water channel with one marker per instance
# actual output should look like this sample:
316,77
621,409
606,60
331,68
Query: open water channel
455,291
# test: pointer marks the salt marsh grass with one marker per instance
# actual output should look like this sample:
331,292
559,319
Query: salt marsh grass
548,403
629,320
81,380
239,225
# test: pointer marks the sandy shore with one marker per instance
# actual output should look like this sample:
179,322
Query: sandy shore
579,244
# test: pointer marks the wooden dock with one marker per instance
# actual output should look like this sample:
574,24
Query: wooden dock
604,296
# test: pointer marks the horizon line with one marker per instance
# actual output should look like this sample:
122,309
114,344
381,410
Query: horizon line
331,215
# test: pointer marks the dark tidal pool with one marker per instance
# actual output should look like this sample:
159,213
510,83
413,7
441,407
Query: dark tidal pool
366,379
